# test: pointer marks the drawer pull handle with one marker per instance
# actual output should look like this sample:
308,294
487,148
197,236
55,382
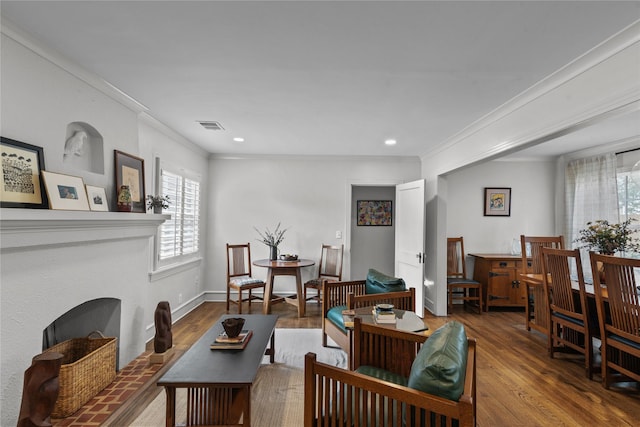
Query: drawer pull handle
503,264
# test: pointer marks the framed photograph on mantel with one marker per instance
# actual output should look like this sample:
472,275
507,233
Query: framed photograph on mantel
374,212
66,192
497,201
22,185
130,171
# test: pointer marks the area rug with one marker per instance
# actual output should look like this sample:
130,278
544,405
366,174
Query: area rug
278,392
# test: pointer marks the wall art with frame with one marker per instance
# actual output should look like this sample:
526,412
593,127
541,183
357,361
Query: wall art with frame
129,171
374,212
97,198
65,192
22,185
497,201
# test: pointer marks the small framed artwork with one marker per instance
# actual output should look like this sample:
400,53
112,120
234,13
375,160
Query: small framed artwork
374,212
22,185
97,198
130,171
65,192
497,201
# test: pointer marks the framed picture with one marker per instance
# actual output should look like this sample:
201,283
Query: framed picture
130,171
22,185
374,212
497,201
97,198
65,192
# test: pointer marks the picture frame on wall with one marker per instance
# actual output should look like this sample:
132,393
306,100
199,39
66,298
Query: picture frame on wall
497,201
129,170
97,198
65,192
374,212
22,185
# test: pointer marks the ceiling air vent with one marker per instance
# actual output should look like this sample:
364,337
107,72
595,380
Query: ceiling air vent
211,125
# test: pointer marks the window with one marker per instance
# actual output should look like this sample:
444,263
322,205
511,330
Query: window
179,236
628,180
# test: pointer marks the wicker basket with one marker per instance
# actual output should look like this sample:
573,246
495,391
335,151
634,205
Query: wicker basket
88,366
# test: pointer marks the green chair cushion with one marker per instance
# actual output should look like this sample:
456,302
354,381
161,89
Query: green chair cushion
378,283
440,365
382,374
335,316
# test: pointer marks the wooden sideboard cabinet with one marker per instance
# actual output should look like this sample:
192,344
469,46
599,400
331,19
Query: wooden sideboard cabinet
499,275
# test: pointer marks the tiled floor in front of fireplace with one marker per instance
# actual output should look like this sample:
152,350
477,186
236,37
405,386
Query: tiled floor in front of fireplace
129,380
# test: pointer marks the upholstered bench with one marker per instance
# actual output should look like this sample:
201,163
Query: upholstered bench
404,379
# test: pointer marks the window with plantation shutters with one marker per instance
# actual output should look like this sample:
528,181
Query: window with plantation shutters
179,235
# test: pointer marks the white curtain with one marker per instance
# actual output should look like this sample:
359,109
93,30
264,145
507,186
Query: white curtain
591,193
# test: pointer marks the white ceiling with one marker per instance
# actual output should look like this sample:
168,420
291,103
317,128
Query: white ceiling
321,77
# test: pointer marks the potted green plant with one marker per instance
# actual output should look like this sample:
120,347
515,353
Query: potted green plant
272,240
157,203
606,238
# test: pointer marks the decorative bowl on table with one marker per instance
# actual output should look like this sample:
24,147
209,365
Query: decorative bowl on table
288,257
384,307
233,326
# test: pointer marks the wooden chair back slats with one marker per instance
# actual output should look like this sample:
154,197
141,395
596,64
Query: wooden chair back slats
456,266
618,315
531,247
239,266
402,300
459,287
567,312
386,348
331,262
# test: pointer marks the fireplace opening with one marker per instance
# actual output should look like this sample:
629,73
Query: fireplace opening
102,314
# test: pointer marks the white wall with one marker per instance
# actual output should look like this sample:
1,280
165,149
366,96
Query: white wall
41,94
310,196
533,205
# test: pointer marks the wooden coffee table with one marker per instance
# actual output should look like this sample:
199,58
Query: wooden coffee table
218,382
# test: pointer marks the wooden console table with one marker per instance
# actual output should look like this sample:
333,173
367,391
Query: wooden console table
500,278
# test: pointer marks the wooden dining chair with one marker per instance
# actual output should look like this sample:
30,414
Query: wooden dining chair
618,305
459,287
536,309
239,276
569,327
330,268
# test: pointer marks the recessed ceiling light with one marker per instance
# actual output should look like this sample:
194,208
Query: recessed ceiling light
238,139
390,142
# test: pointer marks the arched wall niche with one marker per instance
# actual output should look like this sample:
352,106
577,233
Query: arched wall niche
83,148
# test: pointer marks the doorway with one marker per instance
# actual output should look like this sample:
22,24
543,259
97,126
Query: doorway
371,246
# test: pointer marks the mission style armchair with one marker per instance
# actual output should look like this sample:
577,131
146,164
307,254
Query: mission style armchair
376,289
400,379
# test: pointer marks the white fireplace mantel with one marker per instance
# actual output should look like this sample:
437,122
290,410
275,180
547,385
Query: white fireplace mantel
29,228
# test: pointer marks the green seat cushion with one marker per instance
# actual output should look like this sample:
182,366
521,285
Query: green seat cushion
378,283
440,365
382,374
335,316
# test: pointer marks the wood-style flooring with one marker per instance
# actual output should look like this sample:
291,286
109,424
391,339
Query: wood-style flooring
518,384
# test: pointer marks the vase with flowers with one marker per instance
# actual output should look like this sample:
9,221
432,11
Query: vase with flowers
607,239
272,239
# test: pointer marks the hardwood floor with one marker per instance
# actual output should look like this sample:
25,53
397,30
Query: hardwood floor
518,384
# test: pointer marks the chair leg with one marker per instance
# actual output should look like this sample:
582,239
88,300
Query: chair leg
228,297
240,301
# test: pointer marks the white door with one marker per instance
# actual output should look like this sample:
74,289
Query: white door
410,237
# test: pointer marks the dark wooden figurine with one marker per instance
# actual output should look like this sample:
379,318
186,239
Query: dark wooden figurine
40,390
163,339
